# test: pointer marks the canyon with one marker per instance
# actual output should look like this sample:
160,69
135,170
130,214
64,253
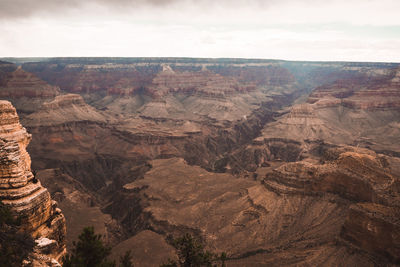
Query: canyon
276,163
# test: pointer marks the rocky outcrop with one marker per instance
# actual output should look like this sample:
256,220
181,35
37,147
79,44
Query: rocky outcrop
20,83
25,90
236,215
205,83
300,123
80,77
375,228
362,110
23,193
5,68
366,92
355,174
64,109
360,176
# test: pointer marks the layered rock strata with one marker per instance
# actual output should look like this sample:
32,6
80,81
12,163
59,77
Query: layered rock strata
360,176
366,92
23,193
204,83
25,90
20,83
63,109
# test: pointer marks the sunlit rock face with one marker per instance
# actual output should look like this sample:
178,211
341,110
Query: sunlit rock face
23,193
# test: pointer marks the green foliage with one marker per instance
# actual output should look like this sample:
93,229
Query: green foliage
89,251
169,263
191,253
126,260
6,217
14,245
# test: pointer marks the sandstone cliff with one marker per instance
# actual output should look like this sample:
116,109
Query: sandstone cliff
20,83
24,195
367,91
25,90
359,175
362,110
63,109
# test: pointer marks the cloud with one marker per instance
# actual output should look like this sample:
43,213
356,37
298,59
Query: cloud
360,12
287,29
25,8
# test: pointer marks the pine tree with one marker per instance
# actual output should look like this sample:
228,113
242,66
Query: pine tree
191,253
89,251
14,244
126,260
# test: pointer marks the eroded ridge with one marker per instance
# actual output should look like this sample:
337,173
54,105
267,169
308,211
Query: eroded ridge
24,194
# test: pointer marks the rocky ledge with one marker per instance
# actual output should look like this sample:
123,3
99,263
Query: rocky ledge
363,92
25,195
63,109
359,176
20,83
205,83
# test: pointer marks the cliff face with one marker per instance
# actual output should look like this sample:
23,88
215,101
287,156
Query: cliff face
25,90
20,83
183,91
64,109
161,78
366,92
362,110
24,194
113,79
204,83
359,175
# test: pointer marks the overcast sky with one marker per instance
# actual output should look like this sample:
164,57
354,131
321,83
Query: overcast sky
348,30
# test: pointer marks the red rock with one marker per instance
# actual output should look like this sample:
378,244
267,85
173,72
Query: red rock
20,83
18,190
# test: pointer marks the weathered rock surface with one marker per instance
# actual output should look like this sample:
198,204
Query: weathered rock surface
360,176
361,111
148,249
64,109
25,90
375,228
79,206
239,216
175,90
22,193
20,83
365,92
217,114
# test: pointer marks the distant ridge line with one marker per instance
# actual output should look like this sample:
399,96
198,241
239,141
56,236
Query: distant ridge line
172,60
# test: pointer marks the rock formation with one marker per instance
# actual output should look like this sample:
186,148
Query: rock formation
279,176
254,223
25,90
20,190
20,83
362,110
359,175
64,109
366,92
